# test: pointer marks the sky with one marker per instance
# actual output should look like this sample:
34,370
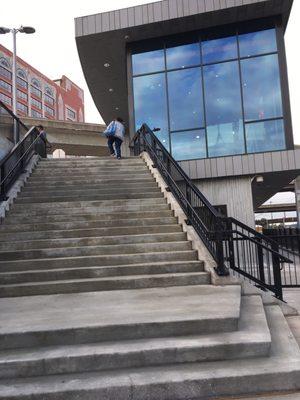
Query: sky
52,49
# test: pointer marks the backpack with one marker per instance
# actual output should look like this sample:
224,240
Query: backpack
110,130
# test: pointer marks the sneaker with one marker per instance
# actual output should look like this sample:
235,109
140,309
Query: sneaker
119,158
113,155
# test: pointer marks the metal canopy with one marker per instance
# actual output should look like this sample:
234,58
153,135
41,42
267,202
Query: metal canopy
102,38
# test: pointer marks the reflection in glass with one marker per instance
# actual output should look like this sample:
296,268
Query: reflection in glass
151,61
188,145
225,133
265,136
150,103
261,87
219,49
183,56
260,42
185,99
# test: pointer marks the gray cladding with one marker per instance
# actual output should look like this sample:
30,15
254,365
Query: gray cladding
163,11
247,164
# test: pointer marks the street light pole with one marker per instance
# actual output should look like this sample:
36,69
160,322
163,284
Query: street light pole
14,85
14,31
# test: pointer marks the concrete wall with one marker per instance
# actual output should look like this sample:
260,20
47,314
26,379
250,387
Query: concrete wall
79,139
235,193
6,135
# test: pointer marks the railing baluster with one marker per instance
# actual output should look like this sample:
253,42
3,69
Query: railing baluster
245,251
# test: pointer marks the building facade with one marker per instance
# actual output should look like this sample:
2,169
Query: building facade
212,76
37,95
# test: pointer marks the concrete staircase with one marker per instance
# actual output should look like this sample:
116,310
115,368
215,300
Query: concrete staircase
103,297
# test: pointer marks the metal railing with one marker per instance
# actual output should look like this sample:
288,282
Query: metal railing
14,163
288,240
233,245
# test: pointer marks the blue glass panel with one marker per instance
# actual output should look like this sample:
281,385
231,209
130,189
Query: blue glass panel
261,87
151,61
185,99
265,136
257,43
183,56
219,49
150,103
225,133
188,145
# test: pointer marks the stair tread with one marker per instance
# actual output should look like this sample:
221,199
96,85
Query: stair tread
193,379
97,256
28,271
102,279
87,224
254,330
40,313
43,244
118,247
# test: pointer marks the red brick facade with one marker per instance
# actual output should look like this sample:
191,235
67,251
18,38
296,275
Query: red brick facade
37,95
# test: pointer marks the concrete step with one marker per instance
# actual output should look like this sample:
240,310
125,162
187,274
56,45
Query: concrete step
117,192
81,205
85,187
148,268
67,171
118,315
92,232
77,176
104,284
251,340
21,219
92,241
65,252
97,260
88,162
20,212
100,196
196,380
89,181
87,224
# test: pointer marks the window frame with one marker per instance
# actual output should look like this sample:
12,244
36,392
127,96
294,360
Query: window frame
250,26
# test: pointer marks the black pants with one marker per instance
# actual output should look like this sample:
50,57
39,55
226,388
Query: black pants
118,142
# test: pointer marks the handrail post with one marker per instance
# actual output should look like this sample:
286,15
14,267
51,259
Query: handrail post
261,267
276,271
229,238
2,189
188,205
221,269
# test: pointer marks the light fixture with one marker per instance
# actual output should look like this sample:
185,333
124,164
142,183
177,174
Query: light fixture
126,37
106,65
259,179
27,29
117,108
110,90
4,30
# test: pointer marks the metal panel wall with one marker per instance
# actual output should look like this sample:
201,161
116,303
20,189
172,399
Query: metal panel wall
158,11
235,193
247,164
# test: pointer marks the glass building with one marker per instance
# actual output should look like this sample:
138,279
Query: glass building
212,75
211,94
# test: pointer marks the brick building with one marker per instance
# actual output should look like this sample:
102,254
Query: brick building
37,95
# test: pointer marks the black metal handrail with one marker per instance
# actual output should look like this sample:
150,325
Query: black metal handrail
15,117
14,163
232,244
